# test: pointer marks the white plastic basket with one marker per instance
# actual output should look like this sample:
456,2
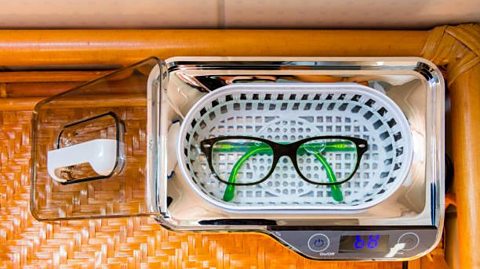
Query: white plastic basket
288,113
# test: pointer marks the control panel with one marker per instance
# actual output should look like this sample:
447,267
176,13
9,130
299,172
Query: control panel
363,244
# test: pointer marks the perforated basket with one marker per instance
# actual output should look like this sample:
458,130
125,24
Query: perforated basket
288,113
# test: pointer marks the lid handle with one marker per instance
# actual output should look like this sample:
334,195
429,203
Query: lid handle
99,153
103,154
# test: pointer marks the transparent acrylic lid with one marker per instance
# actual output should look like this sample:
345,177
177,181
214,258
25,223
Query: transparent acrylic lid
92,146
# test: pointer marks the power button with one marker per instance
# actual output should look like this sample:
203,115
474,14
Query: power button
318,242
410,240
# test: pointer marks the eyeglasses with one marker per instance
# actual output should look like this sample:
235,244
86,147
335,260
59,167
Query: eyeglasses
321,160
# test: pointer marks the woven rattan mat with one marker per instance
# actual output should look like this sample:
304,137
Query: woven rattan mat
117,243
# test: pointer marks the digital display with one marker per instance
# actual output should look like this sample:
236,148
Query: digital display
363,243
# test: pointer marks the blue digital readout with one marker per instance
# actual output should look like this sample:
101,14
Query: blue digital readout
371,241
363,243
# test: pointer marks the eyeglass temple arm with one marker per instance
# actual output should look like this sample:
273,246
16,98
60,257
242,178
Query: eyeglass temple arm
230,189
337,194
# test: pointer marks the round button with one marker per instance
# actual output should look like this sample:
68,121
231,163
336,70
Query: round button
318,242
410,240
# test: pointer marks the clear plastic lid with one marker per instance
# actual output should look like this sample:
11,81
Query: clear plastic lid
92,146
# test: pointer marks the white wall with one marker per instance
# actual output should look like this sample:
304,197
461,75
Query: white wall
236,13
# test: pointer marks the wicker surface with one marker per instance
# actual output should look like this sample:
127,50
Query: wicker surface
141,242
124,242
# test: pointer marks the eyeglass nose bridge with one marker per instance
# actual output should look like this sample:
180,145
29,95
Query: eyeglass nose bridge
282,150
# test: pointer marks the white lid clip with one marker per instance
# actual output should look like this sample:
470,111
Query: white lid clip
104,156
